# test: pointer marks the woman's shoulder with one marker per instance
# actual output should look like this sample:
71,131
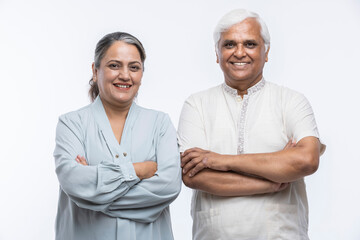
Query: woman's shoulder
151,114
77,116
153,119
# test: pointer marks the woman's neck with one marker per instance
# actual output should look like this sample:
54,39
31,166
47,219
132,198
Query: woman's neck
116,111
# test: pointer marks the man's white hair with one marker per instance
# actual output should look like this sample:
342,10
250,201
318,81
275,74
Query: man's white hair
237,16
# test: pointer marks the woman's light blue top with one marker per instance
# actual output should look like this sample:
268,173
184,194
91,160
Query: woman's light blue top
106,200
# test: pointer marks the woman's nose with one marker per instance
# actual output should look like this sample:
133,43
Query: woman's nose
124,74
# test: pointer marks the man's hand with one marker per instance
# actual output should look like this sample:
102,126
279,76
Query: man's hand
145,169
279,186
194,160
291,143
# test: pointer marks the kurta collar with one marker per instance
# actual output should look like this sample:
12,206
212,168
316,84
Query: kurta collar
104,123
233,92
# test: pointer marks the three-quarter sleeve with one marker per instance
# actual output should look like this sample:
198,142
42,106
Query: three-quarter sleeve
91,187
146,200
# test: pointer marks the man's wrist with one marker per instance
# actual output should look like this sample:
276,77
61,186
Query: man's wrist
229,159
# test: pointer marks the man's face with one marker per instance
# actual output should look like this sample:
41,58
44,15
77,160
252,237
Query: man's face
242,54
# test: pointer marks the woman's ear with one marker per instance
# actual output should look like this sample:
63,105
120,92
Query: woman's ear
94,70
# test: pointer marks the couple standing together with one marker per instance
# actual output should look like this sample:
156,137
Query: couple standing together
246,146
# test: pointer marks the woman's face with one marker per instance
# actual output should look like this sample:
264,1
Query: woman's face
119,75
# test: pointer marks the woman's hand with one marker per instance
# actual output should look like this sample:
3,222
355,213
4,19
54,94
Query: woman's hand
81,160
145,169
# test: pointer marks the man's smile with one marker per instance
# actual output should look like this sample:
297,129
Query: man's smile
239,63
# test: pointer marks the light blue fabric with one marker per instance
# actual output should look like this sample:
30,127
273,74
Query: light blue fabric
106,200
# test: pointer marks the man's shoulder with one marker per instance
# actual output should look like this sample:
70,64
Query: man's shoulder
281,91
209,93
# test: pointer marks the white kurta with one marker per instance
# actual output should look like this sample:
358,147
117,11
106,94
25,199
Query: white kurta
263,121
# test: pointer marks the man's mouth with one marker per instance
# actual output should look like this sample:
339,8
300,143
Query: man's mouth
239,63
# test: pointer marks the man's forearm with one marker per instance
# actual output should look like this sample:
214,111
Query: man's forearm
283,166
230,183
287,165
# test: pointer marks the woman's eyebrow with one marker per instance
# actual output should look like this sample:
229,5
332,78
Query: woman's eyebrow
117,61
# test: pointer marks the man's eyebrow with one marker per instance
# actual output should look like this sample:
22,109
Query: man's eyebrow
228,40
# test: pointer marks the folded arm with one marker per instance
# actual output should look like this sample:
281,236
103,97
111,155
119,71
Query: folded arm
91,187
230,183
286,165
145,201
191,132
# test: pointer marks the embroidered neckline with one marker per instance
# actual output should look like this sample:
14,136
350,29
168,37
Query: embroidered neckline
233,92
242,117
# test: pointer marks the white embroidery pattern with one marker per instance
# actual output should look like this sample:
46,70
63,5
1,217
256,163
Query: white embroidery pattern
241,123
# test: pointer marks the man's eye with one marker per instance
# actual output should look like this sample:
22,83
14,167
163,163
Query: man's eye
229,45
250,44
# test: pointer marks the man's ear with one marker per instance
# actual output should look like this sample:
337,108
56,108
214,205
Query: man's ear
267,53
217,57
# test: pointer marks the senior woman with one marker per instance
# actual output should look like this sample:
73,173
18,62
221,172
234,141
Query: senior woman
117,163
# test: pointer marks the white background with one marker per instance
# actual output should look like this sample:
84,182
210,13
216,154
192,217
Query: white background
46,51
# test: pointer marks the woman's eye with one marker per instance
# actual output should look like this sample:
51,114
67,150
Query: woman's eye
134,68
113,65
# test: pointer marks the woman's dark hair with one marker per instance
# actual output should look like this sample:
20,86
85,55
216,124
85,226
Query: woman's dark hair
103,45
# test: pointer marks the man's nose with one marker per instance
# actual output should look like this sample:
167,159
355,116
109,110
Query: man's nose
239,51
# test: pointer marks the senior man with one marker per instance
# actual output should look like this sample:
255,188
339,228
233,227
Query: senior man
247,144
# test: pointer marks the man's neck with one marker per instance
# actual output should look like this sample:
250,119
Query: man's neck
243,86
